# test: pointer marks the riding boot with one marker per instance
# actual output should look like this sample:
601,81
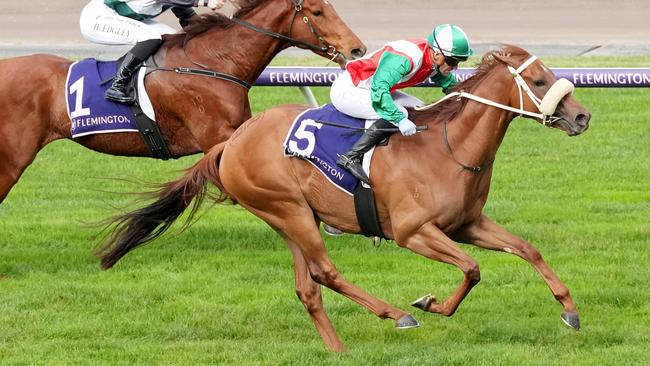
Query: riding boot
131,62
351,160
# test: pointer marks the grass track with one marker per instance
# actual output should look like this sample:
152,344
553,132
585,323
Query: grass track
222,292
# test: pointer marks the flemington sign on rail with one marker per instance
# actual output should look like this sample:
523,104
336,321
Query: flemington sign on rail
581,77
606,77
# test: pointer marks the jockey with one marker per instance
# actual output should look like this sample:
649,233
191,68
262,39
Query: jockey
367,88
122,22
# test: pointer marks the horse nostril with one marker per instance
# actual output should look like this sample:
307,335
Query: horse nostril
582,119
358,52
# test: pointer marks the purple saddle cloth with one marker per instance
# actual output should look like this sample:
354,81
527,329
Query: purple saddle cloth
321,144
88,110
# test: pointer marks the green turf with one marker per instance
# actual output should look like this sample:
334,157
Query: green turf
222,292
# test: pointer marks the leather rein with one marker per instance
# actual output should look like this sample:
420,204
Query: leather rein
542,105
298,10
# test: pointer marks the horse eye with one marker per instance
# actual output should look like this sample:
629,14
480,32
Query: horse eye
318,13
539,83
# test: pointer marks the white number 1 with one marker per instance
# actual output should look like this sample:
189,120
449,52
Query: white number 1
78,90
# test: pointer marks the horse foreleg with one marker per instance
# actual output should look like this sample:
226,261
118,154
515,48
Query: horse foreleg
487,234
432,243
309,294
15,159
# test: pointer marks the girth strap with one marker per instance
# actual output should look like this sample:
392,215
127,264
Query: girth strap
366,210
151,134
149,130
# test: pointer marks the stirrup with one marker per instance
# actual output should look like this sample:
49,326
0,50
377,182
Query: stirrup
346,162
343,161
356,169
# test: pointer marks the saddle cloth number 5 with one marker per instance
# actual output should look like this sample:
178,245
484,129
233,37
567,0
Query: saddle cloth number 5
303,134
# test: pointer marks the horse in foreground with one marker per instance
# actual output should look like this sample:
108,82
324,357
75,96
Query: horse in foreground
193,112
425,204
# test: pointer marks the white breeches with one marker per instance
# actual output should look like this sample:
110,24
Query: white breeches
101,24
355,101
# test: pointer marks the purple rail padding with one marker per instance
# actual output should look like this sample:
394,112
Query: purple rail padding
581,77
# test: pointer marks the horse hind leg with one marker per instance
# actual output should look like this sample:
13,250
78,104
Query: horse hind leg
309,293
298,227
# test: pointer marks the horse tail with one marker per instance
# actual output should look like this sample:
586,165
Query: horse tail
141,226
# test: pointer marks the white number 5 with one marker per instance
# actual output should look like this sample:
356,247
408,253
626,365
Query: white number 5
303,134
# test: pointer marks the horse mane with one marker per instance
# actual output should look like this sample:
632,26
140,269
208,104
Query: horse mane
209,21
448,110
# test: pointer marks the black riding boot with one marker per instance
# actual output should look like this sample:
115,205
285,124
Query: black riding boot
351,160
132,61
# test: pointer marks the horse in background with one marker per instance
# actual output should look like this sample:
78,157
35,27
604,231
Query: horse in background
193,112
430,189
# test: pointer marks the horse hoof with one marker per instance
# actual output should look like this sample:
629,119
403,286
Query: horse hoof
332,231
571,319
407,322
424,302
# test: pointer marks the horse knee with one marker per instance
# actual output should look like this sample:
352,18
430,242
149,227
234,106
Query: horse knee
310,298
328,276
473,273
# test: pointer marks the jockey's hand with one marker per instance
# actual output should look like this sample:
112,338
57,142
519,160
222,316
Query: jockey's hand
184,22
406,127
216,4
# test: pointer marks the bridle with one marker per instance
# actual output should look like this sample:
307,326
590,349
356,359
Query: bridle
546,106
324,47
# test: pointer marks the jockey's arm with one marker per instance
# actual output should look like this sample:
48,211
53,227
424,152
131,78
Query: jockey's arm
183,8
390,70
184,15
445,82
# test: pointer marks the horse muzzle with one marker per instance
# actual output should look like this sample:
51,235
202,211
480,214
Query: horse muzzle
572,125
565,112
342,58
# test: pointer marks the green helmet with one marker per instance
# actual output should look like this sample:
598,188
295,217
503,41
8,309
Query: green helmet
450,40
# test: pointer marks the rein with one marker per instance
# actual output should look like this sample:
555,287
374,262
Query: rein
473,169
206,71
546,106
333,124
324,46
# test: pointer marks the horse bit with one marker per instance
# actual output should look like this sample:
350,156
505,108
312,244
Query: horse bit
546,106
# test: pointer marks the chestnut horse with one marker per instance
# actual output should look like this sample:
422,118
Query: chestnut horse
425,205
194,112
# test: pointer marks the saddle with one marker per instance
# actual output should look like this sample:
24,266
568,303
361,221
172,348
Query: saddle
319,136
90,113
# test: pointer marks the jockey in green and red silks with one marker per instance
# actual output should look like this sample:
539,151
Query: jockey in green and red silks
131,22
368,88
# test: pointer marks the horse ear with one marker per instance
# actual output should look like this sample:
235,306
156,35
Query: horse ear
505,58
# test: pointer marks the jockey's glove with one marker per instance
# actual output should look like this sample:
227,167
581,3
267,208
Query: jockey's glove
212,4
406,127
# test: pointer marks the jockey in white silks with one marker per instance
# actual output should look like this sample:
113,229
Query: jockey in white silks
368,87
130,22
